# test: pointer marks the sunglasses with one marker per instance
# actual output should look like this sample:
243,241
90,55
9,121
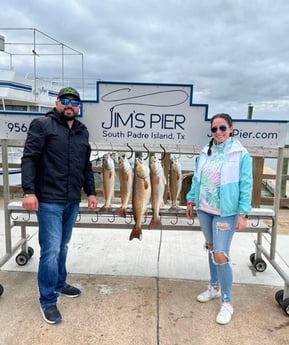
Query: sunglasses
66,101
221,128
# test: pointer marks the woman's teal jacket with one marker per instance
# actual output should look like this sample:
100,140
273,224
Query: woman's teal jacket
236,180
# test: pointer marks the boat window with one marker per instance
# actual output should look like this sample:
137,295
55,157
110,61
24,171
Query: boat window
16,107
33,108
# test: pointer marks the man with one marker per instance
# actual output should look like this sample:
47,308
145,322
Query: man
55,167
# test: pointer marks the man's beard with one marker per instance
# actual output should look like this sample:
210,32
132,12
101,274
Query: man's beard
68,118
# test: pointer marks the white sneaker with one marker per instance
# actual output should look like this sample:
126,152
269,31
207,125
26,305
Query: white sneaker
211,293
225,314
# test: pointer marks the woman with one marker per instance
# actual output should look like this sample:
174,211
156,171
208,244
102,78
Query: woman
221,193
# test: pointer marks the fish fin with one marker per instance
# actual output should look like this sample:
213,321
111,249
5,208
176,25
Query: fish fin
105,208
121,212
174,207
146,184
135,233
157,179
155,223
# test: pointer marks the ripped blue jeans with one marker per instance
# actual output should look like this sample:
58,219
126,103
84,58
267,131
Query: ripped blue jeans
219,232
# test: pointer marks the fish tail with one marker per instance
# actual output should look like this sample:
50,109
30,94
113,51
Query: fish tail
155,223
121,212
105,208
135,233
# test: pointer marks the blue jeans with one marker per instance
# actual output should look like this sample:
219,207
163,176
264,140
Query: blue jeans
219,232
55,228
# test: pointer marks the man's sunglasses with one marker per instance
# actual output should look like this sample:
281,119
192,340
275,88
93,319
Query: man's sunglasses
221,128
66,101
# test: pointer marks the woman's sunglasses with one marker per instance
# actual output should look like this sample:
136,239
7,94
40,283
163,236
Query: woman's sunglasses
221,128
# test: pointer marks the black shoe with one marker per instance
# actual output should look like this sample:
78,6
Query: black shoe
69,291
51,314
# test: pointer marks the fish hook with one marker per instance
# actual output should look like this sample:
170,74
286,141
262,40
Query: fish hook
179,152
130,221
131,151
95,220
96,155
148,152
26,219
256,224
164,153
174,222
191,221
13,217
112,218
192,156
78,218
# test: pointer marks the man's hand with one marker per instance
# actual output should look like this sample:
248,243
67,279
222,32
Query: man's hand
92,202
30,202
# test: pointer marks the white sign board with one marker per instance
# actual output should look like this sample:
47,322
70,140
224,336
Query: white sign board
155,114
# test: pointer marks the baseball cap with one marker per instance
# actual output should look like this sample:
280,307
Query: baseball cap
68,91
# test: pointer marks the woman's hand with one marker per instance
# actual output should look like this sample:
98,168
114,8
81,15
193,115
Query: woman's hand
189,210
241,223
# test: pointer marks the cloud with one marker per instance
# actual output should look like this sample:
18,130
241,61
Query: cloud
233,52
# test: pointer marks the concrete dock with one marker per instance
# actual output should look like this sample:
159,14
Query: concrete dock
144,292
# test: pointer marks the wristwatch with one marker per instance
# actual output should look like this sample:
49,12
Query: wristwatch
27,195
244,216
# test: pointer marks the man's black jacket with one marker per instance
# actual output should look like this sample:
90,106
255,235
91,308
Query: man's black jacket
56,160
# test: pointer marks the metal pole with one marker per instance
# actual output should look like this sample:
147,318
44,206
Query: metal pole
62,64
277,196
285,173
6,197
34,63
82,75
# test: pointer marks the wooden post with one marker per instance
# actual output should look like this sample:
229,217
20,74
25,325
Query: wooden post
284,173
258,166
250,111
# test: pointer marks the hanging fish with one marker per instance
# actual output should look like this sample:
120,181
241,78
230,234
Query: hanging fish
175,181
108,174
125,184
158,183
141,193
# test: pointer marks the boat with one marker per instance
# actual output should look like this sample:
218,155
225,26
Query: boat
23,94
19,93
24,81
21,88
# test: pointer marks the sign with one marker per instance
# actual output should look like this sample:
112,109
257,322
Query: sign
164,114
155,114
144,113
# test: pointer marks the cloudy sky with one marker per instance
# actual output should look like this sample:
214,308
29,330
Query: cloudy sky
234,52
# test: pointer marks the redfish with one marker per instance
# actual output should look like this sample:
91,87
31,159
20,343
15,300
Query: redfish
158,183
108,174
141,193
175,181
125,184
